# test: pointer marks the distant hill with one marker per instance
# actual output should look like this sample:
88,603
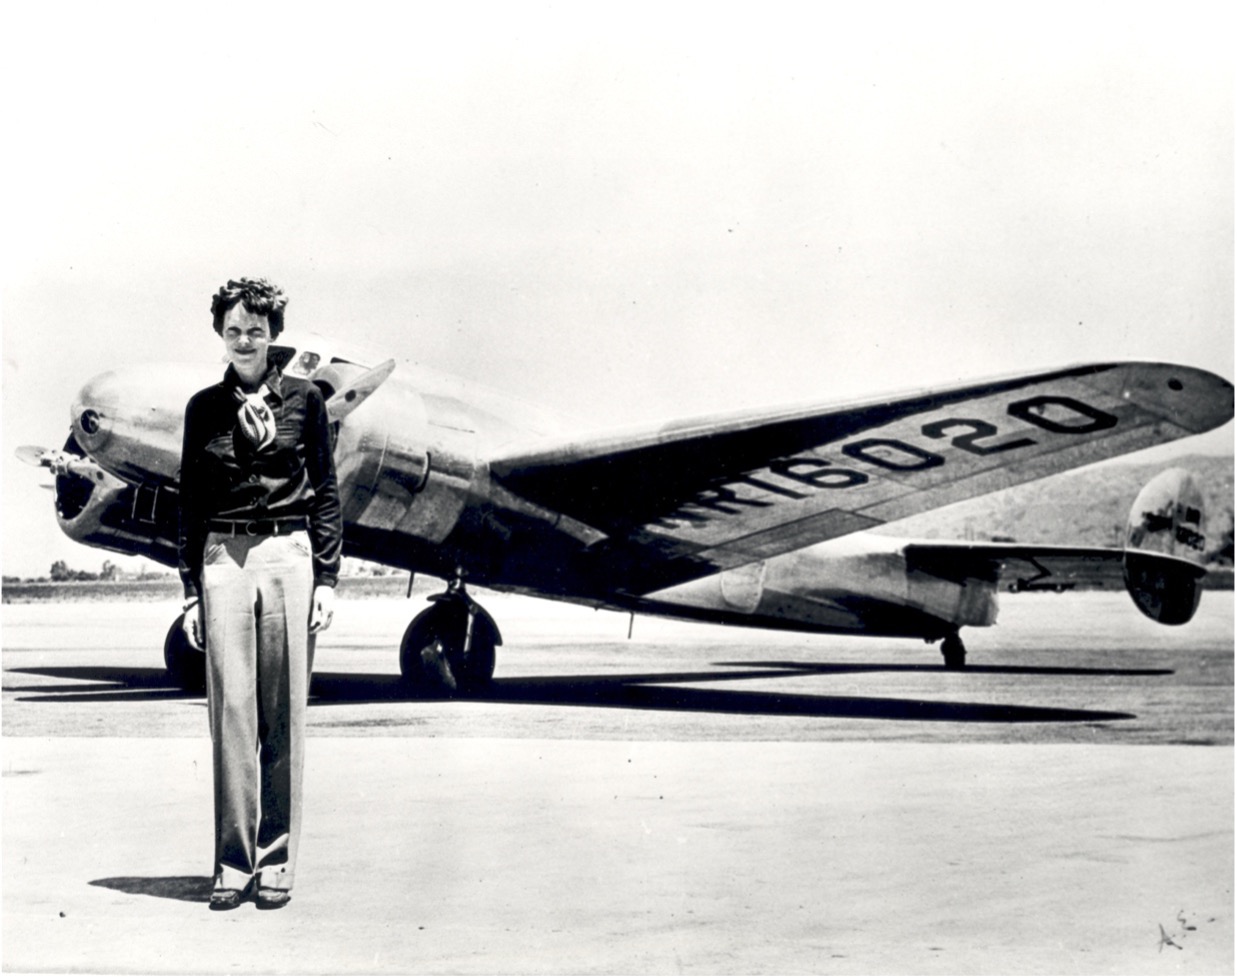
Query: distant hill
1087,507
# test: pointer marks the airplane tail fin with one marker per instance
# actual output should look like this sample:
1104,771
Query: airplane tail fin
1165,547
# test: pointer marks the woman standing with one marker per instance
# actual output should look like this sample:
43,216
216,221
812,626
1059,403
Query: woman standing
260,537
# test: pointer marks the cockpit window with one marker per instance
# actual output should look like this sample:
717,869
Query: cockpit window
305,364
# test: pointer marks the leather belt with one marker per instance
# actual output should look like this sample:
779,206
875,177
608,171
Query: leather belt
280,525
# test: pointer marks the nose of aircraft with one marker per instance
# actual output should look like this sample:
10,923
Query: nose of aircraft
130,420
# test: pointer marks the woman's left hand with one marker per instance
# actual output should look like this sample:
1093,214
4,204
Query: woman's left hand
323,608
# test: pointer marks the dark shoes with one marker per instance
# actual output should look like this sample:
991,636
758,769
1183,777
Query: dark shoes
272,898
226,899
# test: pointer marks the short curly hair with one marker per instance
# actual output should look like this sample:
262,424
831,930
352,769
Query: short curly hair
260,297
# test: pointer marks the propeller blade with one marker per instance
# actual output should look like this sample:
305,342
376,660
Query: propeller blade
34,455
344,403
60,461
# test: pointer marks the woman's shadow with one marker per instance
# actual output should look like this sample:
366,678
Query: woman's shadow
186,888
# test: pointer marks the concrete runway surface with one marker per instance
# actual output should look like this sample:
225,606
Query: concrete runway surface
694,800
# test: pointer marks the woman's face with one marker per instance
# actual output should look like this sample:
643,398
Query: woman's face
246,337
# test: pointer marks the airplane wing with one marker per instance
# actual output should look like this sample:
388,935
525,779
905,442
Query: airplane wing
696,497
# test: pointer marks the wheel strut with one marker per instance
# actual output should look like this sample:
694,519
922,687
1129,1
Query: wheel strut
954,652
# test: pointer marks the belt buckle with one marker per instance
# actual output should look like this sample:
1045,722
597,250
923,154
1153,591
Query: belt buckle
250,529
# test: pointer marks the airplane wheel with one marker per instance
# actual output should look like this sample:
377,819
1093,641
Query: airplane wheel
432,657
954,652
186,666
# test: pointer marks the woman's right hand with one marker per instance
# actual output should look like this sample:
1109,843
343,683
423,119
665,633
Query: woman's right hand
195,629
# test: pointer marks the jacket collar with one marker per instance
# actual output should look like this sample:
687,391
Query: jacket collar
273,379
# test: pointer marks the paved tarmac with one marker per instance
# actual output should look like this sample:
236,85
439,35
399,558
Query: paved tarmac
695,800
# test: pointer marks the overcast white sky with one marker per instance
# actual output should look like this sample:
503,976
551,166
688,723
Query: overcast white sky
633,212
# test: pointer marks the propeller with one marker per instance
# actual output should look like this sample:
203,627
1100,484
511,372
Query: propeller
59,461
344,403
33,455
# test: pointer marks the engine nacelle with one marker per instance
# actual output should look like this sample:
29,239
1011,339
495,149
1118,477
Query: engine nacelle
97,509
1165,548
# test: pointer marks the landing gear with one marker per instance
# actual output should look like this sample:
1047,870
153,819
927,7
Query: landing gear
186,665
449,648
954,652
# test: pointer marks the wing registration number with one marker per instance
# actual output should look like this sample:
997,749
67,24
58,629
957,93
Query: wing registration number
801,476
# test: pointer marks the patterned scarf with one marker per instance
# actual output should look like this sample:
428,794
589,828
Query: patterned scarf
256,419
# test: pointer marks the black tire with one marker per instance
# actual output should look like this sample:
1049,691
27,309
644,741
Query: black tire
432,659
186,666
416,637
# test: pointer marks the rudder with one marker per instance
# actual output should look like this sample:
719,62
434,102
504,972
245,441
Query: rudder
1165,548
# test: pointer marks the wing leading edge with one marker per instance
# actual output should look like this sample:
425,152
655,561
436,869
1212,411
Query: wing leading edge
698,497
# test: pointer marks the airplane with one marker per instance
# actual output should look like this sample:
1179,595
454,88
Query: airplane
749,518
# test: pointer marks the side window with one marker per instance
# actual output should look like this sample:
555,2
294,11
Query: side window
305,364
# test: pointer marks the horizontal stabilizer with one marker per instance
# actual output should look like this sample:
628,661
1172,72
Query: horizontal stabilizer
1161,565
1032,567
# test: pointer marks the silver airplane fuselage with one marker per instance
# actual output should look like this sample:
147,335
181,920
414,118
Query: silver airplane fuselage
417,494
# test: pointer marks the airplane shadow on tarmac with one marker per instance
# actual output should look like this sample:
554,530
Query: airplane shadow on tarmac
641,691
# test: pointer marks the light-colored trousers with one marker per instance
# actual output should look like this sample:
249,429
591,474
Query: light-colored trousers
256,597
